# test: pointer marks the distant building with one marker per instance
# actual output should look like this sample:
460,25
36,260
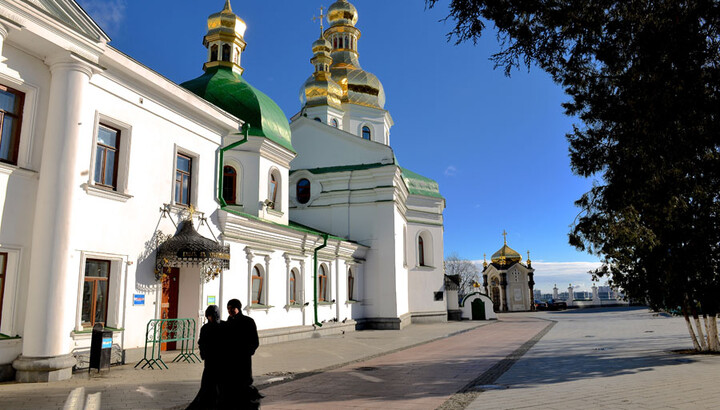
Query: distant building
508,281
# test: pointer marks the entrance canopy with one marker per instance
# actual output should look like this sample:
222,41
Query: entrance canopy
189,248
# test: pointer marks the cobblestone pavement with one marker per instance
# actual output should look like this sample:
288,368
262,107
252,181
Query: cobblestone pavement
606,359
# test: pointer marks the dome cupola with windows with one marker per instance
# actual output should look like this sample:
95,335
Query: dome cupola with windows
359,86
225,39
320,89
223,84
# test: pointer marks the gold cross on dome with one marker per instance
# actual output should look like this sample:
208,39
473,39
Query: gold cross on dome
322,21
505,237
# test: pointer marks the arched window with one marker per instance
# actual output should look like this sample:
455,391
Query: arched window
334,122
214,52
366,134
303,191
292,287
274,190
229,185
257,285
226,52
335,42
421,251
317,119
351,285
322,284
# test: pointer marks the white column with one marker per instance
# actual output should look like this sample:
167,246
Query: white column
571,295
55,268
249,256
595,295
555,292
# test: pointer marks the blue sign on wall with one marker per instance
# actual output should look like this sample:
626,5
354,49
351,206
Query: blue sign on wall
138,300
107,343
211,300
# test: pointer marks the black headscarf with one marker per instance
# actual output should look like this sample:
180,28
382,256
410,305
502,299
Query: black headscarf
214,312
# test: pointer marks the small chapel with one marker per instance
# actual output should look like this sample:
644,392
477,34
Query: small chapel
508,281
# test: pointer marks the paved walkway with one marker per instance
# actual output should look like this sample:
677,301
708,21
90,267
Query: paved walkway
124,387
608,359
594,358
422,377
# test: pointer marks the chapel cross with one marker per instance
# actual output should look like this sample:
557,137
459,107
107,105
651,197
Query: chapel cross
505,237
322,21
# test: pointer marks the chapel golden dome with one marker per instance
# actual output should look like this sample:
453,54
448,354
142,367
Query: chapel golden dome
342,12
506,255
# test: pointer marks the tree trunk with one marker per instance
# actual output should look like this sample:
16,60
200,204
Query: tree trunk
698,327
696,345
712,332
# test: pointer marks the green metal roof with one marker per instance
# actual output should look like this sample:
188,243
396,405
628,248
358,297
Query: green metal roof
341,168
420,185
229,91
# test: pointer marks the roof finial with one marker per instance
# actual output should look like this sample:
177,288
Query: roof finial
504,237
227,6
528,259
322,20
485,260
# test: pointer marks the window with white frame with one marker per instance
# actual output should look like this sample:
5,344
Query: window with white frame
323,279
424,249
293,286
12,102
107,156
258,290
95,294
274,190
3,280
351,284
185,182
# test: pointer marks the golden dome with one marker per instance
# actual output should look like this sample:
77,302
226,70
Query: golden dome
359,86
226,23
506,255
342,13
320,88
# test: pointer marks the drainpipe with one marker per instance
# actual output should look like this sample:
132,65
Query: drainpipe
245,130
315,281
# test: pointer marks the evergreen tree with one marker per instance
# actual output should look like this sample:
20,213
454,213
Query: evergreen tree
643,78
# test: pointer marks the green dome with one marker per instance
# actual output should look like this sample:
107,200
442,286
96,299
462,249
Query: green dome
229,91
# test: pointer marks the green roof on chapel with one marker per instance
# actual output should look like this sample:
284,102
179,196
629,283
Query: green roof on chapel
420,185
229,91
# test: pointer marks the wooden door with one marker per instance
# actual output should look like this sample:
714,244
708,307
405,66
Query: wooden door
169,306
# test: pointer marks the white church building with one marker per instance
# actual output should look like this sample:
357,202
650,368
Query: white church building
126,198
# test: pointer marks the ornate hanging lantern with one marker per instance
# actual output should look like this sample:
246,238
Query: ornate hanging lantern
189,248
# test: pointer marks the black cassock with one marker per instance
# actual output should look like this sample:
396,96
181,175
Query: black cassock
241,343
211,346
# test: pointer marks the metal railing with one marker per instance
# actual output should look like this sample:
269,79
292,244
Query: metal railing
160,331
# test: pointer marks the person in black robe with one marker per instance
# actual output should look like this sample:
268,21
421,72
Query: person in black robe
241,341
211,346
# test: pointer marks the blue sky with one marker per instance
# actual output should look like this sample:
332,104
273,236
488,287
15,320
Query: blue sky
495,144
